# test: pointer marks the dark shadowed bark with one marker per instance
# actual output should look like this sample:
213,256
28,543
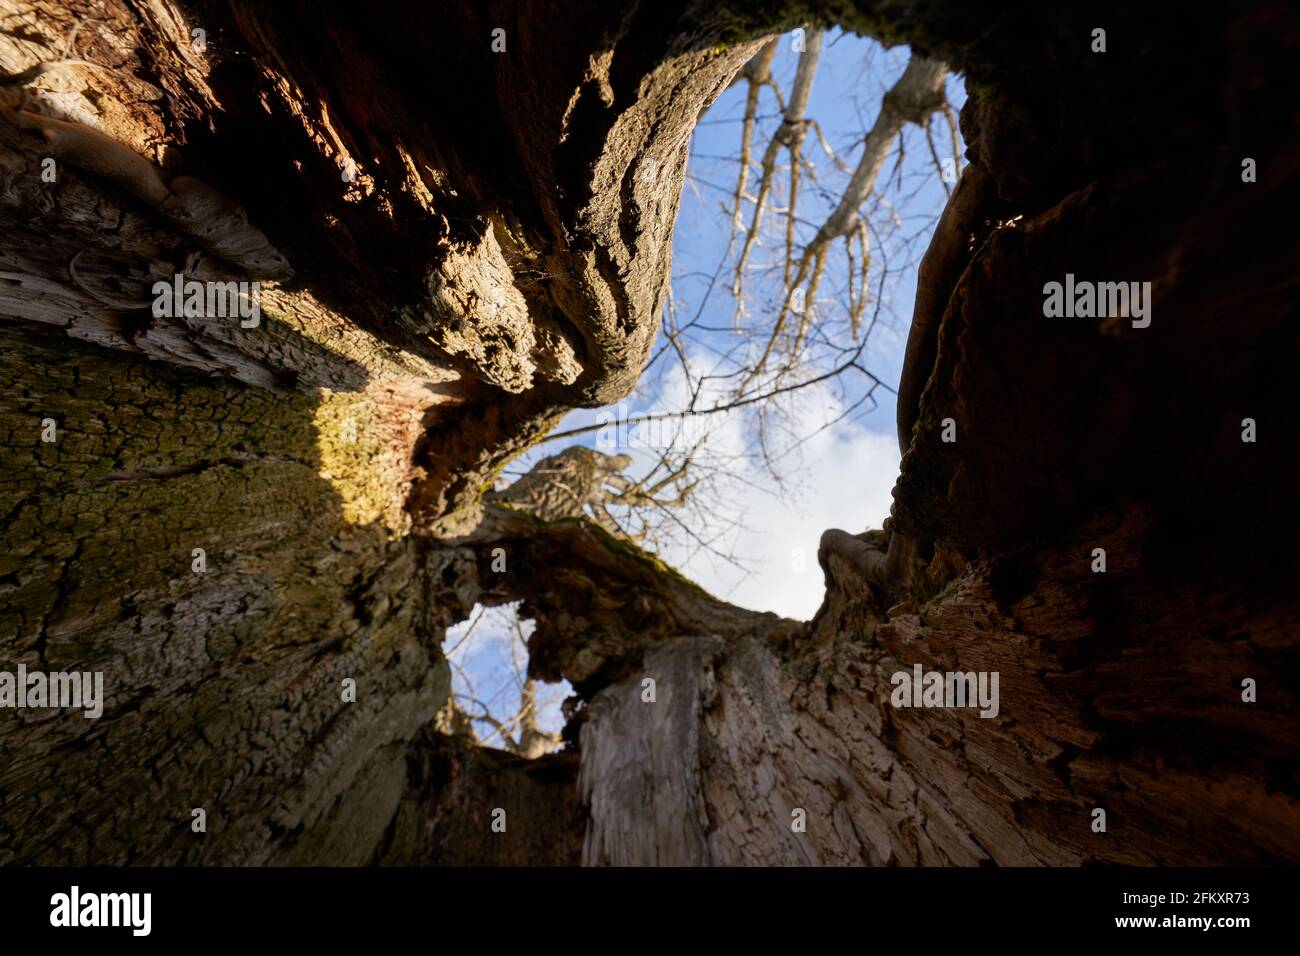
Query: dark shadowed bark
456,246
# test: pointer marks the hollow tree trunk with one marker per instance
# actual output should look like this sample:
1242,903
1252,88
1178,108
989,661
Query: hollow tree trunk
455,246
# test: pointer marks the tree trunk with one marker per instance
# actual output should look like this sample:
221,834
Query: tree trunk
457,245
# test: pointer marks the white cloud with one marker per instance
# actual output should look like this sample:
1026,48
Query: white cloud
847,484
842,476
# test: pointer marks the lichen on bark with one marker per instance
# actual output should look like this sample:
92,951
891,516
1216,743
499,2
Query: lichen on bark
329,559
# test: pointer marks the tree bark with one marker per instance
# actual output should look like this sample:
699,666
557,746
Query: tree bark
455,246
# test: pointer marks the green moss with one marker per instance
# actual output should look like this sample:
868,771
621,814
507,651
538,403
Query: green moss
651,561
746,21
350,450
618,545
150,464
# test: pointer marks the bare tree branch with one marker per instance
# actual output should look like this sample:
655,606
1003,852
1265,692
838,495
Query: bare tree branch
918,93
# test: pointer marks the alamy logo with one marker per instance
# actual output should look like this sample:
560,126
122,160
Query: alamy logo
639,430
191,299
950,689
1098,300
58,690
102,909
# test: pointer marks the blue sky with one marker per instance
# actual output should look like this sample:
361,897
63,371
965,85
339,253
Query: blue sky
838,457
853,75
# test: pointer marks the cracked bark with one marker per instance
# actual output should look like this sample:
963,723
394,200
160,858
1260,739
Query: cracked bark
498,258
